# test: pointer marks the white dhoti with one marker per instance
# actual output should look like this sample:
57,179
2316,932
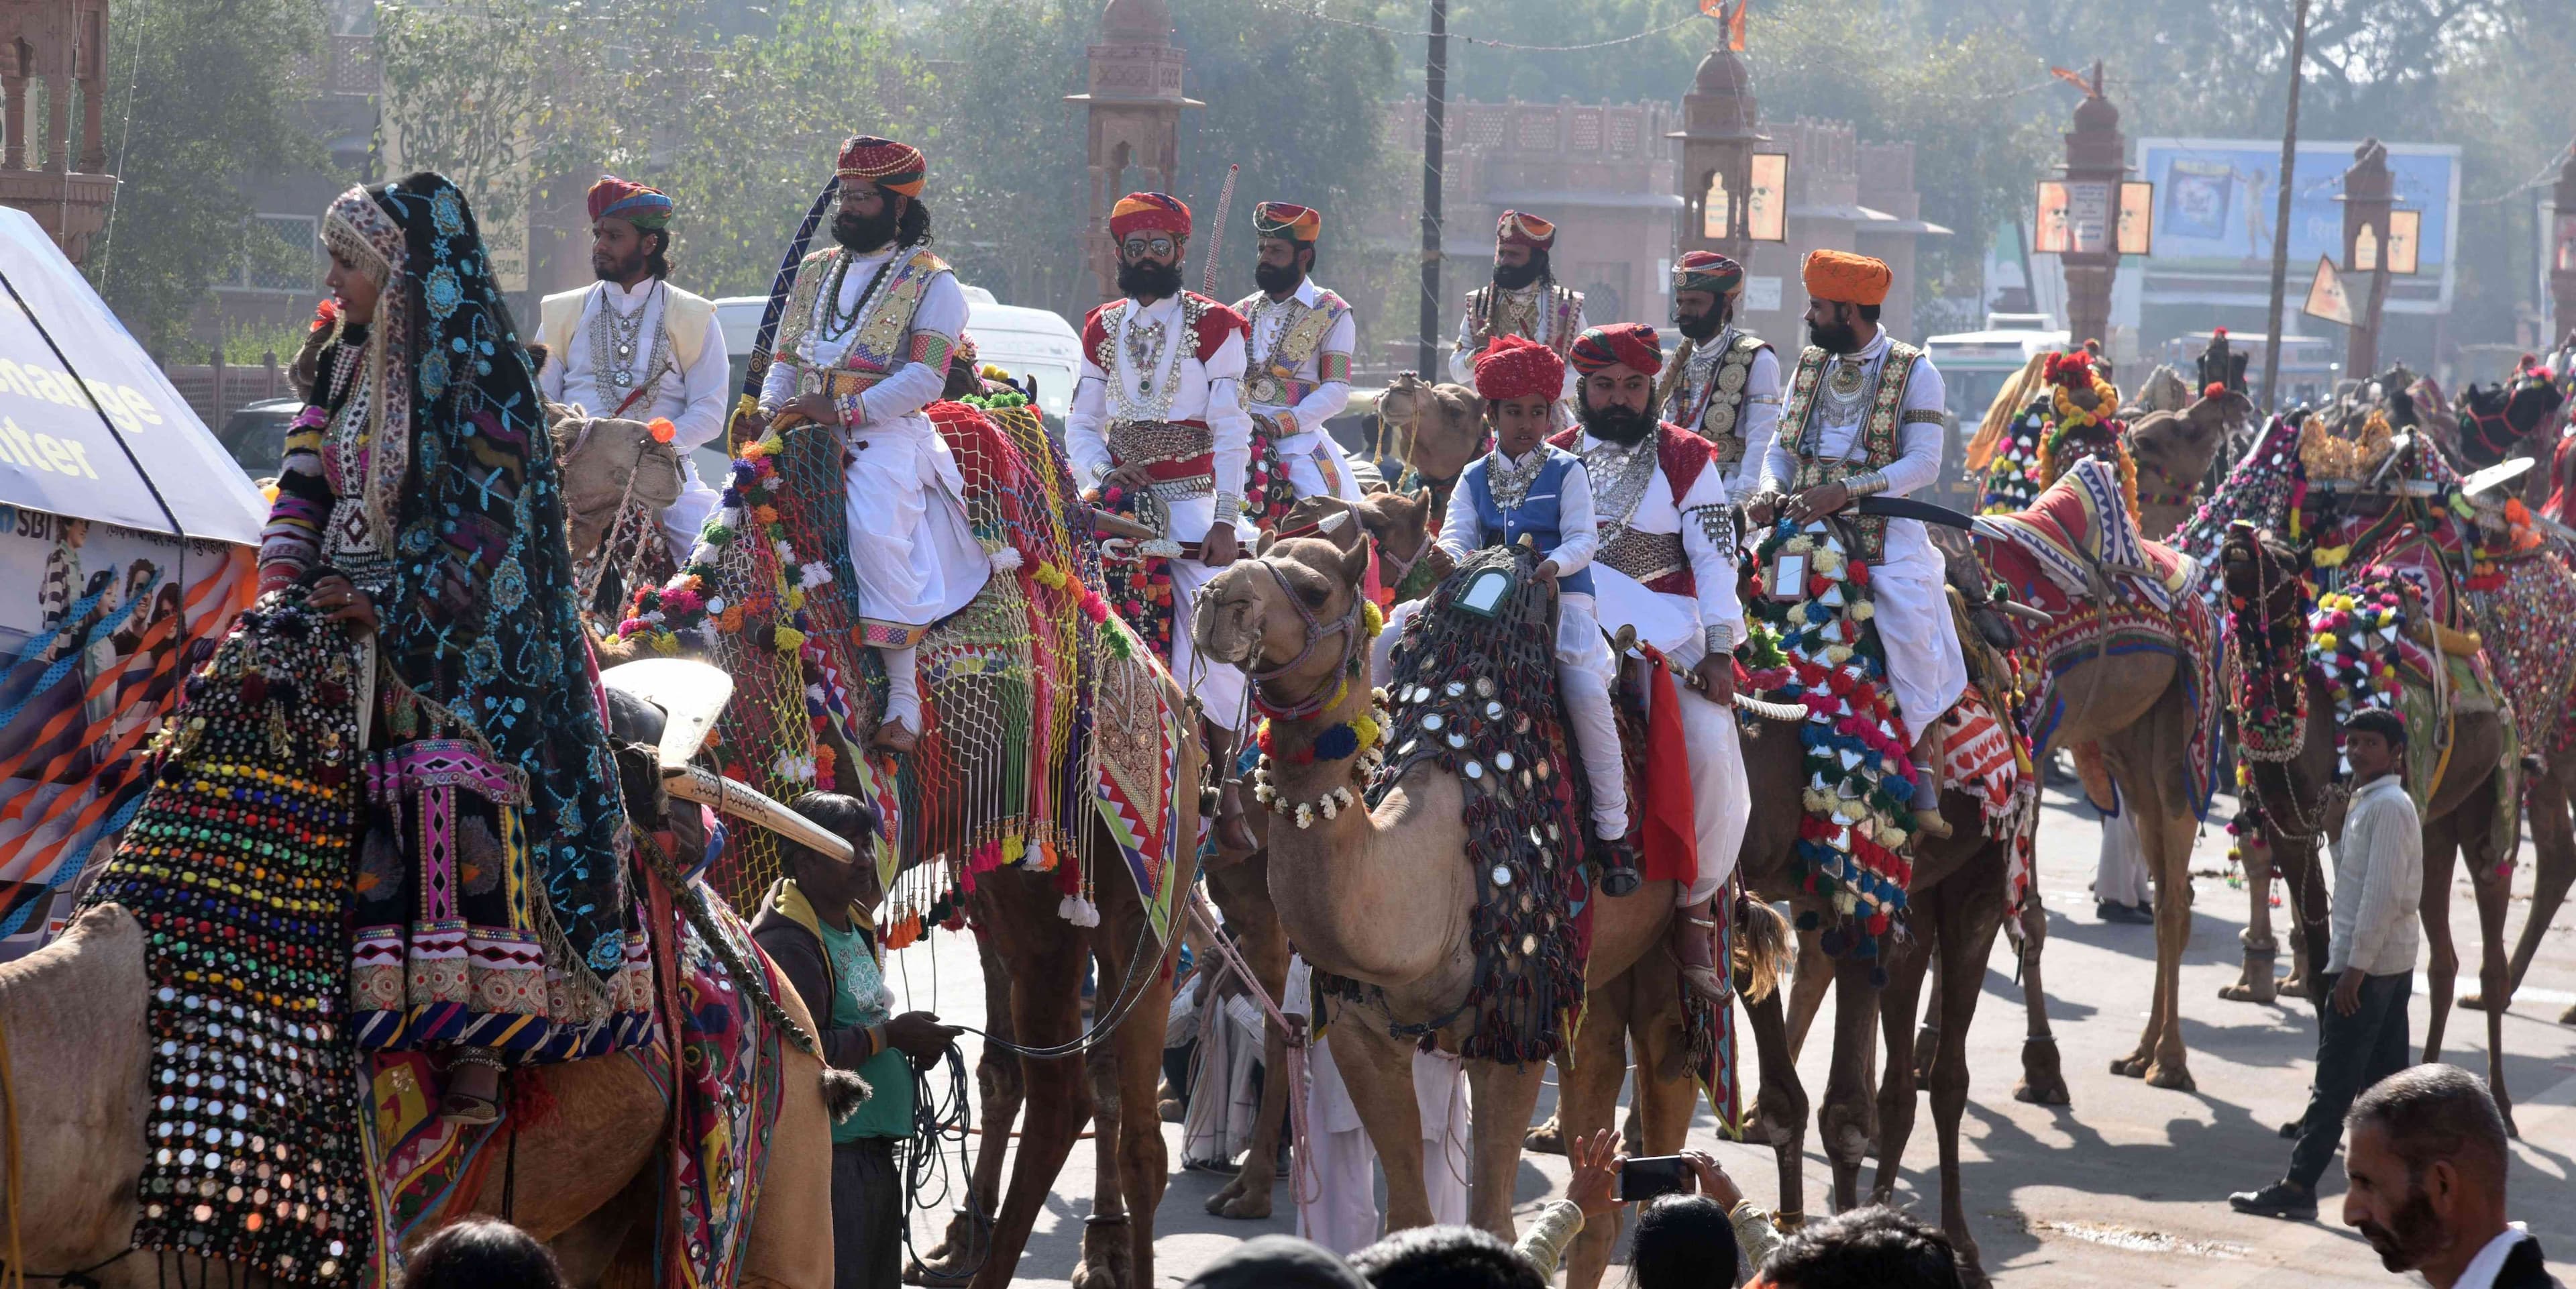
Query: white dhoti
2121,875
1224,1104
687,514
1911,607
1721,805
1316,467
914,552
1340,1211
1217,685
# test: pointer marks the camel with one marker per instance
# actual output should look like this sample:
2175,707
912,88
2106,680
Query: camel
1434,429
2299,809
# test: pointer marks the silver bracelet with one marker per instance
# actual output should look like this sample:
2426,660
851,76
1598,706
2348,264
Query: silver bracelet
1229,507
1868,483
1720,637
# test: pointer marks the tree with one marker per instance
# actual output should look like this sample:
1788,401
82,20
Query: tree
211,98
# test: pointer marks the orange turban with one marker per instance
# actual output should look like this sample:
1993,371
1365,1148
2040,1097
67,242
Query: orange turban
1845,278
1287,219
1148,212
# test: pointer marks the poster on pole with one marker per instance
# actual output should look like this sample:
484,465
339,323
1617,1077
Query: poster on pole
2217,200
2326,298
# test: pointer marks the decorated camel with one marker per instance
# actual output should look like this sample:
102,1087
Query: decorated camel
1435,430
582,1159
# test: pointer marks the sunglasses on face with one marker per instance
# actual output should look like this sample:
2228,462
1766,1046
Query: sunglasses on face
1135,246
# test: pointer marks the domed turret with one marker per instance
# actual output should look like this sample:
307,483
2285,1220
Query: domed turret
1146,21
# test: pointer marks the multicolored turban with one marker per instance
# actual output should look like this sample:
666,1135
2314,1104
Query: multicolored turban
1148,212
1707,271
615,198
1518,367
1633,345
895,167
1517,229
1287,219
1845,278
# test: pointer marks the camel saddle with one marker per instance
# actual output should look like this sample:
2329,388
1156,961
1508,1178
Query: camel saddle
2081,538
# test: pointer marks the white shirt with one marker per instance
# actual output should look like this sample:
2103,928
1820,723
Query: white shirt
1209,392
1712,563
1757,420
1327,399
1462,531
2379,882
910,386
693,401
1919,444
2483,1269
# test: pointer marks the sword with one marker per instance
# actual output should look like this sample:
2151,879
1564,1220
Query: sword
1224,203
1909,508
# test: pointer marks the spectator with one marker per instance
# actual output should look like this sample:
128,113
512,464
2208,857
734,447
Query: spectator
1445,1257
1277,1262
816,925
1683,1241
2427,1166
481,1253
1875,1247
2370,957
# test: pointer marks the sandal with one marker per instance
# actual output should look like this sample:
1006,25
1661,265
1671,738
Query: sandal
468,1110
1695,945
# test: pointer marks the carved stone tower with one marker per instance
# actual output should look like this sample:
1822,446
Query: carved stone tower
1134,106
61,47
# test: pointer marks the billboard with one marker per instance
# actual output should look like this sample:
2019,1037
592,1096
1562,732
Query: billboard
2216,201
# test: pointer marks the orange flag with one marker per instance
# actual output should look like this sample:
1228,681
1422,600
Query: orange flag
1735,26
2075,79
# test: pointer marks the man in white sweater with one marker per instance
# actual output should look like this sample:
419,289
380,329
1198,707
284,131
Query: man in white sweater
2361,1030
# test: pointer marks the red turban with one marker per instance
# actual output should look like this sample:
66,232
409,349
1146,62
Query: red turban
1633,345
895,167
1517,229
615,198
1845,278
1148,212
1518,367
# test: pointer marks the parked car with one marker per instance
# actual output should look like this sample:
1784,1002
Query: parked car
256,435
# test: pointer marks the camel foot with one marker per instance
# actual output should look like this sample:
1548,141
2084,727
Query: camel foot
1546,1139
960,1253
1243,1197
2130,1067
1107,1263
2511,1129
2172,1078
2256,984
1972,1269
2043,1082
1169,1110
2296,986
2568,1017
2477,1002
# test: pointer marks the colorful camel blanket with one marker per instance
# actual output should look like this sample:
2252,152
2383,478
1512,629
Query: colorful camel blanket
2081,536
1475,696
2526,613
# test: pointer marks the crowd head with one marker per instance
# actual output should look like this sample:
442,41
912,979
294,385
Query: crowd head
2426,1161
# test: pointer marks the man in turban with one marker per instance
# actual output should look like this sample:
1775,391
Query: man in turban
1724,385
1299,371
863,345
631,346
1666,566
1158,412
1522,300
1864,416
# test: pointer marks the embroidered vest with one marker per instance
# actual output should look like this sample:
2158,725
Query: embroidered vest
1876,441
684,324
1271,379
1657,560
1537,517
1715,411
1557,309
877,338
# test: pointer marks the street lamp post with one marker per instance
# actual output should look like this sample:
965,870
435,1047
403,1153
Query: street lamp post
2096,163
2562,258
1718,136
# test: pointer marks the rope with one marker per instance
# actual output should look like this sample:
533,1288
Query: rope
925,1167
1305,1186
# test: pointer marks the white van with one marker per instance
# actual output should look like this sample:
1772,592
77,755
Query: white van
1027,343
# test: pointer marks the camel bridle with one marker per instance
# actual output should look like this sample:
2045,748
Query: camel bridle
1346,626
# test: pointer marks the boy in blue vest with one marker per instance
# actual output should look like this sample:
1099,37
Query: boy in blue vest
816,924
1526,488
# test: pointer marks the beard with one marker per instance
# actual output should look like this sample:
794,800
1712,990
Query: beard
608,270
1833,337
1149,278
1700,326
2417,1234
1512,277
1617,423
1277,279
865,233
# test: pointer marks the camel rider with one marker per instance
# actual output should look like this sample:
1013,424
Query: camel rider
1158,408
1298,370
1522,300
1527,488
1864,417
1724,385
1666,566
631,346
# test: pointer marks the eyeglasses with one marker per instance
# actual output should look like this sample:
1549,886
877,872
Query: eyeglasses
1135,246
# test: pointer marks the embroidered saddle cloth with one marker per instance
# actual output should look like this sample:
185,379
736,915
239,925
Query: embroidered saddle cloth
2080,537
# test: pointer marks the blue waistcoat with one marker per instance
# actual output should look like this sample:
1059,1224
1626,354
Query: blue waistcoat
1535,517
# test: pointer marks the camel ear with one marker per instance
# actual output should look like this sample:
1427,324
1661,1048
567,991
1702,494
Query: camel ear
1355,562
1269,538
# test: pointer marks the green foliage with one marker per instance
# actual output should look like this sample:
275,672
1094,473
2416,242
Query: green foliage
211,100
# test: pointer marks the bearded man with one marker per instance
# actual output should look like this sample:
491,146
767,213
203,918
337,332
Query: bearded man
1724,385
631,346
1158,412
1523,300
1666,566
863,345
1298,373
1864,417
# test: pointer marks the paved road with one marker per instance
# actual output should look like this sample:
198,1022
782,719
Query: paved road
2126,1186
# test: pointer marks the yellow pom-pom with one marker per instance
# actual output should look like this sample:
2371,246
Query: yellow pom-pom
1372,618
795,597
1366,728
1050,576
665,642
1013,847
789,639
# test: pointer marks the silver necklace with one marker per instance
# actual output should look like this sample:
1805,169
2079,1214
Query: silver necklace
1620,474
1511,483
615,340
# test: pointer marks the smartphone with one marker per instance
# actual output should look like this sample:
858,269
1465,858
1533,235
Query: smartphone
1653,1175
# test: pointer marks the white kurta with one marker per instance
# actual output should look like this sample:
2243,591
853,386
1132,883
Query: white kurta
1209,392
911,545
1681,627
1757,421
1341,1213
692,399
1924,665
1462,354
1314,461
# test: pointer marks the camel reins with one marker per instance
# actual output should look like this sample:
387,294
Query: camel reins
1346,626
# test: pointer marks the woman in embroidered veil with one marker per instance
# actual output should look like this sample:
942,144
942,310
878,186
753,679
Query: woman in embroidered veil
418,503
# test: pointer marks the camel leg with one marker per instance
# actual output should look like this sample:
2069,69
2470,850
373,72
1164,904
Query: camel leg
2043,1081
1927,1039
2490,882
2257,983
1587,1099
1377,1067
1046,980
1104,1262
2442,967
1842,1122
1242,891
1897,1002
2171,831
1970,918
1808,981
998,1091
2304,877
1136,1045
2546,805
1781,1109
1503,1097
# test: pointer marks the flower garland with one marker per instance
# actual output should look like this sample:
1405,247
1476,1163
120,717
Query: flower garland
1860,784
2271,694
2355,639
2268,488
